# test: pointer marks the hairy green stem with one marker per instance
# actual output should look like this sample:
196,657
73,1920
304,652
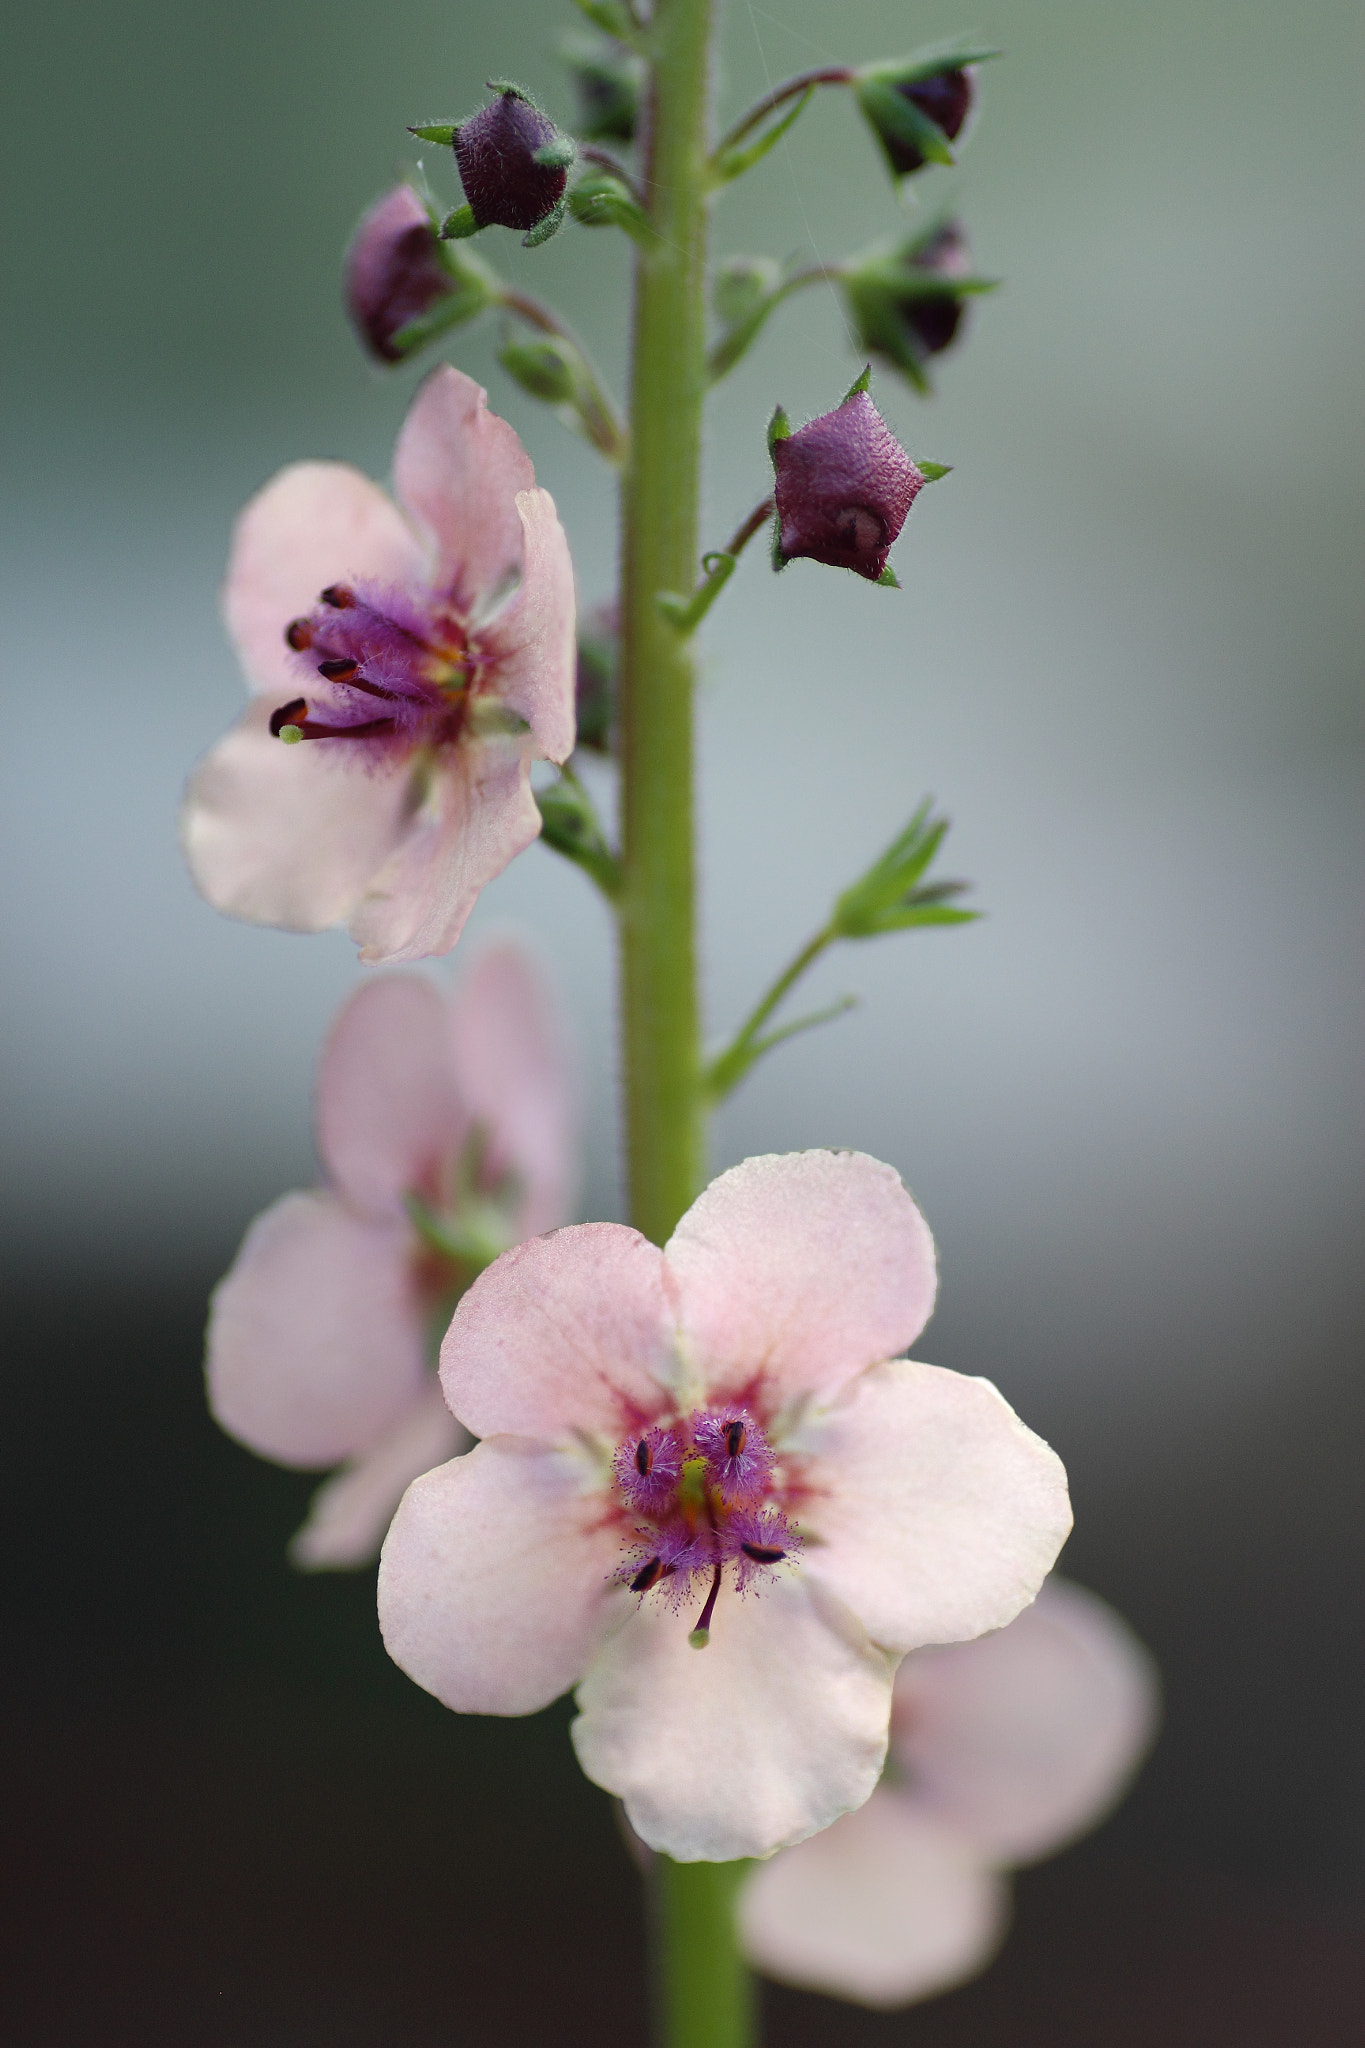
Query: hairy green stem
703,1989
735,1060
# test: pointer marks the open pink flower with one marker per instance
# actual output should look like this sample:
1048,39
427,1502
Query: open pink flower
1002,1751
716,1446
427,657
445,1125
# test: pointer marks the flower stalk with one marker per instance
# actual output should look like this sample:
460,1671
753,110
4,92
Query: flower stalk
704,1992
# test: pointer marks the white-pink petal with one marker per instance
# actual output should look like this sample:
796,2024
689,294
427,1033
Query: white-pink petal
289,836
508,1048
350,1512
494,1582
563,1334
804,1266
1024,1739
315,523
476,813
758,1740
315,1336
935,1513
530,645
457,470
389,1114
882,1908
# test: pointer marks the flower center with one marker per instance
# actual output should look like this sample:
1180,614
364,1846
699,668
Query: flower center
703,1496
393,669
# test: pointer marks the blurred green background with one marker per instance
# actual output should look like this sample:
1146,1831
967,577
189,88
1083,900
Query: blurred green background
1125,657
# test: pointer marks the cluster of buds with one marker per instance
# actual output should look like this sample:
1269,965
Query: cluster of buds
907,300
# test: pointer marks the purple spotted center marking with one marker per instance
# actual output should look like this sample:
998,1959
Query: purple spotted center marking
393,671
699,1492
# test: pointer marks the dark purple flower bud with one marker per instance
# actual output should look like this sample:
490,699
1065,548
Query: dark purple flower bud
909,303
934,319
844,487
394,272
497,151
947,100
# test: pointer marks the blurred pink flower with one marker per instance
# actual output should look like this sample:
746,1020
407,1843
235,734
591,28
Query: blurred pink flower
715,1444
450,1113
427,654
1002,1751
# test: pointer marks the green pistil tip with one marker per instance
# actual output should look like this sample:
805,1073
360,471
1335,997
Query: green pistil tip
699,1638
291,734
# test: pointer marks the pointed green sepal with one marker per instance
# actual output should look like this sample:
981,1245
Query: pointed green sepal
458,226
556,155
544,229
954,53
899,120
443,132
601,201
863,383
779,429
888,580
894,895
932,472
733,163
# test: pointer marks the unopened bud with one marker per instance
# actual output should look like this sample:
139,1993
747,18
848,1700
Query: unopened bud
394,272
918,106
595,693
908,303
513,162
844,487
607,79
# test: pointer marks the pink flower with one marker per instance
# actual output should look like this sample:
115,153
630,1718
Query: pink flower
717,1445
457,1108
428,656
1002,1751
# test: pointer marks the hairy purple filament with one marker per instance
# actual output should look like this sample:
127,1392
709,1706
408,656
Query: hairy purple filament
698,1491
372,644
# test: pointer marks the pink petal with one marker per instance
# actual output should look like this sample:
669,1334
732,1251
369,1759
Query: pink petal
315,1336
457,470
494,1583
513,1067
1024,1739
478,813
936,1514
804,1266
767,1734
882,1908
315,523
349,1513
563,1334
388,1110
530,644
288,836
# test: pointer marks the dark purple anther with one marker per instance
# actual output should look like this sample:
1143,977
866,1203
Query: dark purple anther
946,98
496,151
394,272
737,1453
844,487
647,1470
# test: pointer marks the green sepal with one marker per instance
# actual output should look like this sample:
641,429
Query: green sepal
509,85
893,895
601,201
557,154
933,472
443,132
733,163
569,824
952,54
460,225
544,229
609,15
779,428
859,384
888,580
890,115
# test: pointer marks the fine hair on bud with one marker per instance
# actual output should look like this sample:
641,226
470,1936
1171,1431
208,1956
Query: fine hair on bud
497,152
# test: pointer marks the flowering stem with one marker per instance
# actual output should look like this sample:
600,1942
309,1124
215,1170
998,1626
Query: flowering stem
703,1987
706,1994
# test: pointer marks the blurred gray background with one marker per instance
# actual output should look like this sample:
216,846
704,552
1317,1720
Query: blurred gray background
1124,658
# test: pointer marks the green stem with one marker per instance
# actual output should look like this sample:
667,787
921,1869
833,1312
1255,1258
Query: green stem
732,1063
706,1996
703,1987
837,74
685,614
